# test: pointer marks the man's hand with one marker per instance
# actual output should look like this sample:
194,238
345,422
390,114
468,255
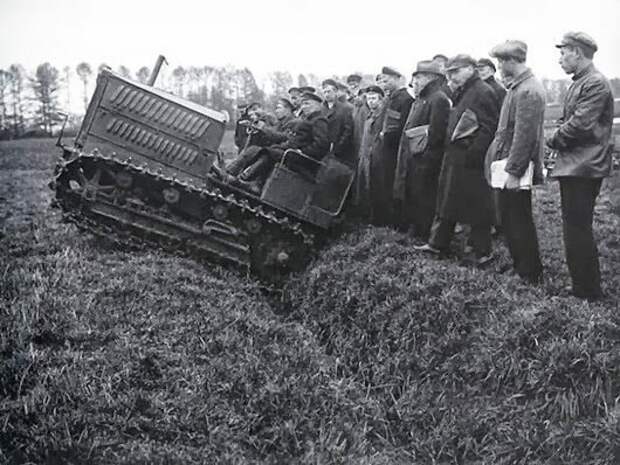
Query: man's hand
512,183
259,125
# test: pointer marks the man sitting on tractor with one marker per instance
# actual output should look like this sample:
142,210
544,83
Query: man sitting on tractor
310,137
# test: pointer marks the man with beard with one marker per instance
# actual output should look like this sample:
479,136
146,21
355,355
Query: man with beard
463,193
339,122
310,136
421,150
369,176
397,105
486,71
582,143
519,141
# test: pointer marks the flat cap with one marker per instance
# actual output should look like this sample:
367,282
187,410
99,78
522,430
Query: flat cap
390,71
330,82
286,102
304,89
294,89
578,39
354,78
486,62
374,89
341,85
429,67
440,56
510,49
311,96
460,61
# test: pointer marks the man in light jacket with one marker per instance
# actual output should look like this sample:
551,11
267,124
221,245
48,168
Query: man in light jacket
582,142
519,139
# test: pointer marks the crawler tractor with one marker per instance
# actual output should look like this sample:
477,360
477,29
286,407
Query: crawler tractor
140,173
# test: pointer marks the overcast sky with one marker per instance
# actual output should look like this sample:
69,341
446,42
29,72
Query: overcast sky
320,36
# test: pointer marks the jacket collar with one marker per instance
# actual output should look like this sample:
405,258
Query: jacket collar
519,79
458,94
583,72
431,87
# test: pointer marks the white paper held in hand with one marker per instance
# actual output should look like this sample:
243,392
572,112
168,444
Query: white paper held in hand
499,175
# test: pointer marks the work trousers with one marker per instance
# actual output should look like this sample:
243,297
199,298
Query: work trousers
578,196
442,232
515,211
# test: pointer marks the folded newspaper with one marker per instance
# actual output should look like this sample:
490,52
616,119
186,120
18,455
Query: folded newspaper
499,176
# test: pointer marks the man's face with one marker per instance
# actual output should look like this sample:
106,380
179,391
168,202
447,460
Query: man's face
353,87
254,113
294,96
441,62
309,106
569,59
485,72
506,67
330,93
459,76
373,100
387,82
420,81
281,110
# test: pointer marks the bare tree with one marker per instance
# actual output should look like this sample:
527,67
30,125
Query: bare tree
84,71
179,74
124,71
17,74
66,82
5,80
45,88
143,74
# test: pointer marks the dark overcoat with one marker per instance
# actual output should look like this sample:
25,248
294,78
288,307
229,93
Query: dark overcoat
463,192
419,172
370,187
397,106
340,130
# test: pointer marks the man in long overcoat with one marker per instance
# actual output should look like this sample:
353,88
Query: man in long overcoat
463,194
519,140
339,122
369,175
421,150
397,105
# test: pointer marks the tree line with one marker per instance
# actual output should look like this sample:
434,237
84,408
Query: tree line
30,100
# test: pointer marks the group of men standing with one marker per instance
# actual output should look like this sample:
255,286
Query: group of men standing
424,154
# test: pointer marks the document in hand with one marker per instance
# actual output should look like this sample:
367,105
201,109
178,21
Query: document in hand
466,126
499,176
418,138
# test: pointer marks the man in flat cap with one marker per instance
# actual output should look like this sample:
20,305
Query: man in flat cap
486,70
294,94
353,83
582,143
519,141
369,187
463,193
421,150
339,122
265,135
310,136
397,106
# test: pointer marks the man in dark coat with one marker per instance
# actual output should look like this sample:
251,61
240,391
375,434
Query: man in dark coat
397,105
463,194
486,71
519,141
582,143
268,135
310,137
421,150
339,122
369,186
